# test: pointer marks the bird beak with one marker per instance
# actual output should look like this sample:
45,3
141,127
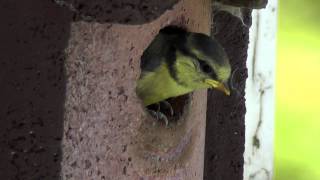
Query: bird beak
218,85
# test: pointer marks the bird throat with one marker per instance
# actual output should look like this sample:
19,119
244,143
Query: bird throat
159,85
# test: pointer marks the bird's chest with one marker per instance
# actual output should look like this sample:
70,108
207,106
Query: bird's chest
159,85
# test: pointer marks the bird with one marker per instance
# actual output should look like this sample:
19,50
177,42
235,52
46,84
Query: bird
178,62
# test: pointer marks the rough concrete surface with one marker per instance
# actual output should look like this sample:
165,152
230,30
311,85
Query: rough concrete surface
68,107
107,134
33,36
117,11
225,131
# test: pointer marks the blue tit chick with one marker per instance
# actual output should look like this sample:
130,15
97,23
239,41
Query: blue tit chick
178,62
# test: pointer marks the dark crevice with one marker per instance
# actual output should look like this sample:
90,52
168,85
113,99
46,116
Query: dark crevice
256,140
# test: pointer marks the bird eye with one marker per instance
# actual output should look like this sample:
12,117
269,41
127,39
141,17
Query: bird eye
205,67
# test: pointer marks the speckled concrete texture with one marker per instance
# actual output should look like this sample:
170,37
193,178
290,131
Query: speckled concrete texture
33,36
225,129
107,133
117,11
68,108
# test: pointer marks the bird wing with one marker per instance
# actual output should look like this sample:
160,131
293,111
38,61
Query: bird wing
154,54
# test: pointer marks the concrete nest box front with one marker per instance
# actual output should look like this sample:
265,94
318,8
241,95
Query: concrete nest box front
118,11
69,108
105,123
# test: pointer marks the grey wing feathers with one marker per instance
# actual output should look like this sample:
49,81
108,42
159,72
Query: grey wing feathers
153,55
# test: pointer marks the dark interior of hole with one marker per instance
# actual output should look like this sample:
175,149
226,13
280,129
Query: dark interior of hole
178,105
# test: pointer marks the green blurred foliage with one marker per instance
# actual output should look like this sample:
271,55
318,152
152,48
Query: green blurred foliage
297,145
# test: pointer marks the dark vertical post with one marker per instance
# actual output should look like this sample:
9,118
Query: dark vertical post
33,36
225,131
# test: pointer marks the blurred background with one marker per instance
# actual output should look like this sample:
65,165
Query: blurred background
297,148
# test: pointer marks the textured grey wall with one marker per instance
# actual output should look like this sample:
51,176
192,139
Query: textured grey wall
117,11
225,131
33,37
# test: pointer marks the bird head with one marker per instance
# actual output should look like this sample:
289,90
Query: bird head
201,63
